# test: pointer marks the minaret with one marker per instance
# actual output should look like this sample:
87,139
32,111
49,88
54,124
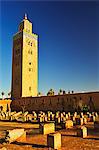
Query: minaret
25,61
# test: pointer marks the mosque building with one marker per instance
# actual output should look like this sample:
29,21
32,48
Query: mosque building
24,89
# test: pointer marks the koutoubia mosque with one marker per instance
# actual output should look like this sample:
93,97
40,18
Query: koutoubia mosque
24,88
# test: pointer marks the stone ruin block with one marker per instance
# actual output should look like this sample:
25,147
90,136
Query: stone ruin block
85,116
82,132
54,140
64,119
81,114
96,114
93,113
67,117
63,125
22,138
46,128
68,124
74,119
78,116
75,114
34,114
2,116
45,118
69,114
96,123
79,121
61,116
89,115
57,114
71,117
93,118
12,113
15,116
88,119
29,117
97,119
15,135
22,117
25,114
64,113
3,148
41,119
58,120
50,117
85,120
53,117
49,113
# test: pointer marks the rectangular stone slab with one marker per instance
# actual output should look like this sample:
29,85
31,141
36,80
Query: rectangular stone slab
54,140
13,135
82,132
46,128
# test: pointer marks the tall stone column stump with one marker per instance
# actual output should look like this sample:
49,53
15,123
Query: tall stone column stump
82,132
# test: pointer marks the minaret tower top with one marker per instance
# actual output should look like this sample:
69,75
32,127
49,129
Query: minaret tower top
25,25
25,16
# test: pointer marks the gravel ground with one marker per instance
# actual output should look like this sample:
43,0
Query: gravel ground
37,141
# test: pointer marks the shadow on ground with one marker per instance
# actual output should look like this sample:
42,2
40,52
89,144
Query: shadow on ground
2,141
33,145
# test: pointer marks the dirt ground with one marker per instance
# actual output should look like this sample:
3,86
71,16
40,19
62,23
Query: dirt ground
35,140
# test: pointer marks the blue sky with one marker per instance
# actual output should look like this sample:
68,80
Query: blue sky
68,43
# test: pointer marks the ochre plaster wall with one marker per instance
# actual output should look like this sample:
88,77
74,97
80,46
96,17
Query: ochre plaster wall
5,104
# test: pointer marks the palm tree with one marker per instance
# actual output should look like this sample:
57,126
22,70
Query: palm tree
9,94
68,92
60,92
72,92
39,94
64,92
50,92
2,95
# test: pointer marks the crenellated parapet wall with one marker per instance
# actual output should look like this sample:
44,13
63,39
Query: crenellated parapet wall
67,102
